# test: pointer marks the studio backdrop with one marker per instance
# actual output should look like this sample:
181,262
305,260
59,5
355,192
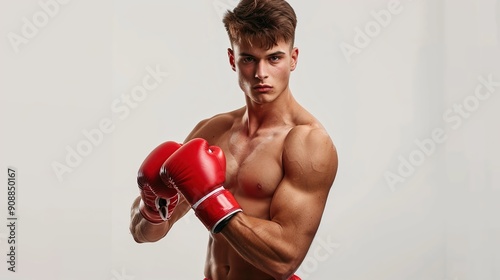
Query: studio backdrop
408,90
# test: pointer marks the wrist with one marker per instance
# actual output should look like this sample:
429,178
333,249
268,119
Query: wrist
216,209
218,227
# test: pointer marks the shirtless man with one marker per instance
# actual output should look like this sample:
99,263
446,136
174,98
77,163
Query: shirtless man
277,162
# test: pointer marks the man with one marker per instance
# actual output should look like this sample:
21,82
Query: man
279,162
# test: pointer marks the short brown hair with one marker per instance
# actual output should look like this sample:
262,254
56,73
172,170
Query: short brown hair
267,21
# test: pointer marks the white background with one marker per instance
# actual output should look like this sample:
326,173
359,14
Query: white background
441,223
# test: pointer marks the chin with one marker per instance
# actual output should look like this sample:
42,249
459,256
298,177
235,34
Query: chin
264,99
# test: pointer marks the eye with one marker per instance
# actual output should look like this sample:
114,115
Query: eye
247,59
274,58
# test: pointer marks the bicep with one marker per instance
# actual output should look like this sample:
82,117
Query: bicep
310,166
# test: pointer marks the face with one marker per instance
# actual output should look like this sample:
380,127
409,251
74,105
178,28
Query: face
263,74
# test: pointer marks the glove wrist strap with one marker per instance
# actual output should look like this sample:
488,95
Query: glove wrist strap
216,209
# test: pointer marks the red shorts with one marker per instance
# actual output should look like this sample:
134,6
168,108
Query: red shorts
295,277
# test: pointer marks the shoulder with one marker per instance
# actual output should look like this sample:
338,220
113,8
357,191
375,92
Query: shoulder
213,127
309,150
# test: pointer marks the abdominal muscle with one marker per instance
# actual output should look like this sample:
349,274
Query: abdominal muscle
224,263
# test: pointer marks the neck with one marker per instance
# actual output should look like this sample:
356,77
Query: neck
275,113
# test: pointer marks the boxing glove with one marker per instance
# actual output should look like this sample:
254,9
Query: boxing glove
157,201
198,172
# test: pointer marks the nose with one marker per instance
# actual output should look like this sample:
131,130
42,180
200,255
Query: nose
261,71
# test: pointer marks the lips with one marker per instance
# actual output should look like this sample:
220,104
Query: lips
262,88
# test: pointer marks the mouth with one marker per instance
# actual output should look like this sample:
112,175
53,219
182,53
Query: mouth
262,88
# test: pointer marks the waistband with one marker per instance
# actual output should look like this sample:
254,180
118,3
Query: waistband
294,277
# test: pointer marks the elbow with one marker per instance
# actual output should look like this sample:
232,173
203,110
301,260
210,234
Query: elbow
148,234
135,219
283,273
285,270
137,239
136,230
140,238
133,231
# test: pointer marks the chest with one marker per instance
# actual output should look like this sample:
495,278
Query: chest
254,167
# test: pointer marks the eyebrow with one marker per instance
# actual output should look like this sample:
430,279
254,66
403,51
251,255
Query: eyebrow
271,54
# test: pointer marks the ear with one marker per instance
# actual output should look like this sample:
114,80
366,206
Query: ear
294,58
230,55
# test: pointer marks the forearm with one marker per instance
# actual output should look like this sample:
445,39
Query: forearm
263,244
142,230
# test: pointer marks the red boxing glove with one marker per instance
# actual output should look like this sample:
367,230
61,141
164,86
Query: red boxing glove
198,172
157,201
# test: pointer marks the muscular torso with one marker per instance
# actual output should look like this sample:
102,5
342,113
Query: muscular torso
254,171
